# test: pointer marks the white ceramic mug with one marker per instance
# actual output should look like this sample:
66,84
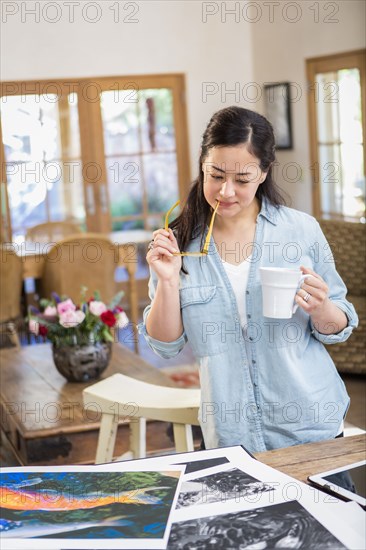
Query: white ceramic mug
279,287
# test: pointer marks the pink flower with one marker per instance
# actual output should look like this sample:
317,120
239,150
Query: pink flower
50,311
65,306
122,320
97,308
71,319
34,326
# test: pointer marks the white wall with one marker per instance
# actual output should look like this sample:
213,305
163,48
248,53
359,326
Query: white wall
228,50
279,53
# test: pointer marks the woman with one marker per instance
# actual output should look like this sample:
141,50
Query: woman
265,383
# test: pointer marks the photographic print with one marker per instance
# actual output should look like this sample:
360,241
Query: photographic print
219,487
285,525
62,506
278,112
198,465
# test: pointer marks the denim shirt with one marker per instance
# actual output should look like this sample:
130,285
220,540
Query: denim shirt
272,384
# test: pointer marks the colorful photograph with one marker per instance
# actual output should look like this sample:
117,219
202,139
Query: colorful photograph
86,505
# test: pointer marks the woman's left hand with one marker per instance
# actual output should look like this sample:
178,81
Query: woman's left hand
312,296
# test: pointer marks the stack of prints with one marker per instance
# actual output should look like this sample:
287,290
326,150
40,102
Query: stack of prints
215,499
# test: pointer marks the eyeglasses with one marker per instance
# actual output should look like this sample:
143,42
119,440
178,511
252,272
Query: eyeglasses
206,244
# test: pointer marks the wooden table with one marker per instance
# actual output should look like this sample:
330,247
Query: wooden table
42,414
304,460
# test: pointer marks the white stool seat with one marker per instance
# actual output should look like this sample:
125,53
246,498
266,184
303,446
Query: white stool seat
122,396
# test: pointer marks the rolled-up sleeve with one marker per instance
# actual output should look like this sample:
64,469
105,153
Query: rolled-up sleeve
166,350
344,334
325,266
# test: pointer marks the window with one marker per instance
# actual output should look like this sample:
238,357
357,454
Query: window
140,156
40,136
337,135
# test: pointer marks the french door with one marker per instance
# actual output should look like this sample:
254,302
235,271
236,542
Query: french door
140,147
108,153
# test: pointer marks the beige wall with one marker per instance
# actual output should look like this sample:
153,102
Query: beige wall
217,51
279,53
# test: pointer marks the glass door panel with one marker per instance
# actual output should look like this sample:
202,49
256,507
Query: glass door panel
330,178
156,117
65,190
352,175
350,106
120,123
340,144
327,112
125,192
42,159
140,150
27,197
160,171
140,155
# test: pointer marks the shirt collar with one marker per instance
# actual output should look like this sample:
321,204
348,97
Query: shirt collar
269,211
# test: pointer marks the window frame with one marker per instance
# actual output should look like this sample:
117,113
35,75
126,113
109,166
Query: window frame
325,64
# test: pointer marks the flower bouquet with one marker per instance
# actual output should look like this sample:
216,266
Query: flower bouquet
81,334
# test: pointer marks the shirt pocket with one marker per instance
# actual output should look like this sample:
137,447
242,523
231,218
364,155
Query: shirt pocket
200,306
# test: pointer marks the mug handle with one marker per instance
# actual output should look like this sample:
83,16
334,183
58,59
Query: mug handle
301,280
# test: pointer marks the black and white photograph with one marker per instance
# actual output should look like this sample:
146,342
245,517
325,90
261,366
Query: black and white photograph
220,487
278,111
285,525
198,465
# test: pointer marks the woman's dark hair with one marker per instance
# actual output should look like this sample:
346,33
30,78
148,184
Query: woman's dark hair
227,128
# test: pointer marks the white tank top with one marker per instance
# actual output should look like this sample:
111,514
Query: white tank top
238,277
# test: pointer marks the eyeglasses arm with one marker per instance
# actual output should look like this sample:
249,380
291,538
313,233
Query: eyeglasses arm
208,236
209,232
166,224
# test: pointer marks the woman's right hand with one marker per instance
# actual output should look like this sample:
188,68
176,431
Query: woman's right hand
161,258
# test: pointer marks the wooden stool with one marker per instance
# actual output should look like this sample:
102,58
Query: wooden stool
122,396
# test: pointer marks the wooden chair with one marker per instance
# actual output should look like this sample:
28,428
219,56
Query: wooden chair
121,396
11,281
90,260
51,231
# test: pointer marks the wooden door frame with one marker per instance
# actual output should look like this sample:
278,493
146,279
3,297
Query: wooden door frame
5,223
176,83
